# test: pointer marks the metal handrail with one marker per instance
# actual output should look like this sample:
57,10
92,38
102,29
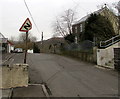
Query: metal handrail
110,41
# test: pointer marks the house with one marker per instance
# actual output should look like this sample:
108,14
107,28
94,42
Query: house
5,45
78,27
10,46
105,54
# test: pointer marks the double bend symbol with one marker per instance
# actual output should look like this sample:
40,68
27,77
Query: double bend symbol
26,26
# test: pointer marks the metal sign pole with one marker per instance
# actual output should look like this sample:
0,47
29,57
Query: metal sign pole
27,25
26,48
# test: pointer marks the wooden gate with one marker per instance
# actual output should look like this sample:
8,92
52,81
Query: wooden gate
117,58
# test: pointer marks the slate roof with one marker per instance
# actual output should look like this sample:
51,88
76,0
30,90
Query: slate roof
83,19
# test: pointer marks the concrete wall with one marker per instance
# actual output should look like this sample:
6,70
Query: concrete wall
105,57
14,76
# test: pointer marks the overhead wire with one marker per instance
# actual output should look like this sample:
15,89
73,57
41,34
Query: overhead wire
77,4
31,16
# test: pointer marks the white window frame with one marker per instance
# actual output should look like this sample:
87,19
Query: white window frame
75,29
81,27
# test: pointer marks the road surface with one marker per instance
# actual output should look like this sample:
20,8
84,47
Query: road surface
67,77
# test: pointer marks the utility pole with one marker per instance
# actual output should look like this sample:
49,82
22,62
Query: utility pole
42,38
42,41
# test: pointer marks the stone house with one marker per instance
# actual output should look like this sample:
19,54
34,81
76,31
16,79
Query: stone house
79,26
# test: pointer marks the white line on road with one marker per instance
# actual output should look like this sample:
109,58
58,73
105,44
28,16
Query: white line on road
45,91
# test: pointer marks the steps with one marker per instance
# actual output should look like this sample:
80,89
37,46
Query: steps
110,42
105,54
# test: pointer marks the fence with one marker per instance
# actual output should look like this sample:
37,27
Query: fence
117,58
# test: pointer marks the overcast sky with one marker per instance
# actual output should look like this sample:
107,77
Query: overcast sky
14,13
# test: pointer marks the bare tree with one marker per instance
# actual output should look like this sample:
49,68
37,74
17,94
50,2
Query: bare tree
22,37
22,40
31,38
63,24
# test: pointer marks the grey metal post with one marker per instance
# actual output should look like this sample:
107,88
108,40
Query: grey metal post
26,48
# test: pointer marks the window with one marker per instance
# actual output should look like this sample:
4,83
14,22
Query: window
76,39
75,29
81,28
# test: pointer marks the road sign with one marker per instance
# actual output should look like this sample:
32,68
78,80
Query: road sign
27,25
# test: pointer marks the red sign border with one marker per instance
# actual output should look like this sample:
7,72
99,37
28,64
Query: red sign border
24,24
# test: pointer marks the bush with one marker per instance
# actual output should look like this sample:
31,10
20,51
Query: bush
70,38
36,49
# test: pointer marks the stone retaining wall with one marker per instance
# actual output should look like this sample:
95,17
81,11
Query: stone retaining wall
84,56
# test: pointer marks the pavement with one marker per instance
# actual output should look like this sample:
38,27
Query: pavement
6,58
33,90
30,91
5,92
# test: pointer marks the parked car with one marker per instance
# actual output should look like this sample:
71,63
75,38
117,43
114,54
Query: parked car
18,50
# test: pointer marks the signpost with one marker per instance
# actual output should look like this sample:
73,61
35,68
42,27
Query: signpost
27,25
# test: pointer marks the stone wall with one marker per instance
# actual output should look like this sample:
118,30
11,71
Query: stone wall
112,18
14,76
84,56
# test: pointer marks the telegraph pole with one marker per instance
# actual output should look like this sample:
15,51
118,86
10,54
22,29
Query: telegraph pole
42,38
42,41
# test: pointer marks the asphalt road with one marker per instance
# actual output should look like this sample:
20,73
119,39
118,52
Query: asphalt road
67,77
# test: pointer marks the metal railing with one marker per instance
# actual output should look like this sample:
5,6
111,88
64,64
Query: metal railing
107,43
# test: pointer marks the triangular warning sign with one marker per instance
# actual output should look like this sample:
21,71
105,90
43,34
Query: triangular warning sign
27,25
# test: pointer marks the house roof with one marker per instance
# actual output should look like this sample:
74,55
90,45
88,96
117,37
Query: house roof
83,19
10,42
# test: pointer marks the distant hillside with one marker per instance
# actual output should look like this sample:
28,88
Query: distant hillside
45,46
